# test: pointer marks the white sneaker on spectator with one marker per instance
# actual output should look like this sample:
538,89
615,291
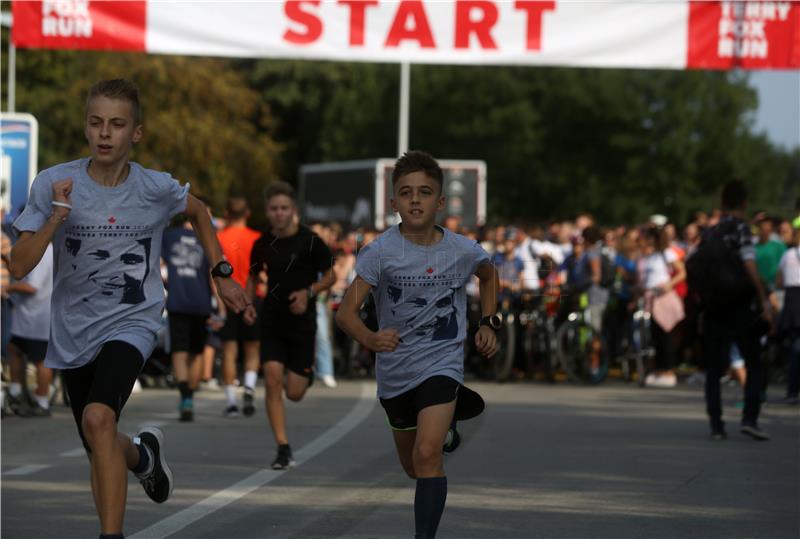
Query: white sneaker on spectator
662,381
328,380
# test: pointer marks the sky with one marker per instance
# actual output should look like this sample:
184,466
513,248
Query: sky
778,106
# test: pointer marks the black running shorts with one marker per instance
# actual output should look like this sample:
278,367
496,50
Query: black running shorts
34,350
402,410
187,332
107,380
236,329
290,339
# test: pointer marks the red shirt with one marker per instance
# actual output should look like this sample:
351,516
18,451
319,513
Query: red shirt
237,243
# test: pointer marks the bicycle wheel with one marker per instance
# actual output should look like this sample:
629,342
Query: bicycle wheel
568,348
503,360
582,352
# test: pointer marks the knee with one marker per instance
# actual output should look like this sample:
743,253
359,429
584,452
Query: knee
294,394
274,384
98,420
427,455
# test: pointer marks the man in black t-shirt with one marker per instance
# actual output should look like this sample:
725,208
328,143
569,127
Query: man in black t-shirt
294,258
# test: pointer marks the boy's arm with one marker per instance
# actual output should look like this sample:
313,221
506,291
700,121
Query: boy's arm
485,338
489,285
350,322
229,290
30,247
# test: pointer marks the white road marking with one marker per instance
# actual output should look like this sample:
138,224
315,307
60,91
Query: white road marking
72,453
204,508
26,470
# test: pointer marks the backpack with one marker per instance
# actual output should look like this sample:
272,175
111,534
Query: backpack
718,276
608,269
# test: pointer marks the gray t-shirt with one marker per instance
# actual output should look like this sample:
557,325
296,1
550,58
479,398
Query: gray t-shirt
107,283
420,292
31,314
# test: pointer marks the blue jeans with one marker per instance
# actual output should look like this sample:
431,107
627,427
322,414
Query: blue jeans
324,349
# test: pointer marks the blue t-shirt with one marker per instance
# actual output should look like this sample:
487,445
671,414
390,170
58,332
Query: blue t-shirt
420,292
107,284
188,286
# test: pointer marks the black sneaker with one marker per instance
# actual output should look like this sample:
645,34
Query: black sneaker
231,411
39,411
248,409
158,483
283,460
452,441
19,405
718,434
186,410
752,430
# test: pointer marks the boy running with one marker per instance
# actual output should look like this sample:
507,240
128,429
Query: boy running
105,217
417,272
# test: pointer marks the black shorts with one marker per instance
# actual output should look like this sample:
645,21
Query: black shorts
33,349
187,332
402,410
290,339
107,380
236,329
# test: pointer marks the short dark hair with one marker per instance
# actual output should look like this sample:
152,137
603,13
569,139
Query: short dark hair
123,89
237,207
417,161
279,188
734,195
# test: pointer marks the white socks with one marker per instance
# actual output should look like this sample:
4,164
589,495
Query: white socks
15,389
230,393
250,379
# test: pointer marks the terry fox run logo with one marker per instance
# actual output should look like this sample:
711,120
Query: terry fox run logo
66,18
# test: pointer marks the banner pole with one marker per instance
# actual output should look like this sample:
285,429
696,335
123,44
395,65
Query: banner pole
405,90
12,76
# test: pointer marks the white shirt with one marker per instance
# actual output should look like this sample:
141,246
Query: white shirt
790,267
654,269
31,315
530,252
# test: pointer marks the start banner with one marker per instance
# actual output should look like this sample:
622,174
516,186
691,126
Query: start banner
579,33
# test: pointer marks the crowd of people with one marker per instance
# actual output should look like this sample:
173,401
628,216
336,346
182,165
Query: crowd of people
82,294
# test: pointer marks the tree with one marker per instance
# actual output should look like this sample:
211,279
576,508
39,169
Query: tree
202,122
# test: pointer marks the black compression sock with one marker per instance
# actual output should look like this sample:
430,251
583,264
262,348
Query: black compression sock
111,536
144,461
186,393
429,505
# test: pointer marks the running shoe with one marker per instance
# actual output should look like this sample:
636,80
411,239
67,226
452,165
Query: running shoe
283,460
158,483
248,408
231,411
752,430
452,440
186,410
718,434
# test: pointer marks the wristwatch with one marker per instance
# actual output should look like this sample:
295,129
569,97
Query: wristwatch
493,321
222,269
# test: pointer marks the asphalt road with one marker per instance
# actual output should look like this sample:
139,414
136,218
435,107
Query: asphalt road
543,461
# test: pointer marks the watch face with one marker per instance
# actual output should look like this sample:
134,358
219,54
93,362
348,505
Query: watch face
496,321
224,269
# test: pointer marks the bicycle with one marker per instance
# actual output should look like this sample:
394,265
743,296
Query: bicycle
639,349
582,351
498,367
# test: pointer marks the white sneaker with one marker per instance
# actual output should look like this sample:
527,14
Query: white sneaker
329,381
664,381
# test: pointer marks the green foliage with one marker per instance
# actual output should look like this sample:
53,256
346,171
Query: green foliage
202,122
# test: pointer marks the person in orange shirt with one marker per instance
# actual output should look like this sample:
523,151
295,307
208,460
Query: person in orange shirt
237,241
